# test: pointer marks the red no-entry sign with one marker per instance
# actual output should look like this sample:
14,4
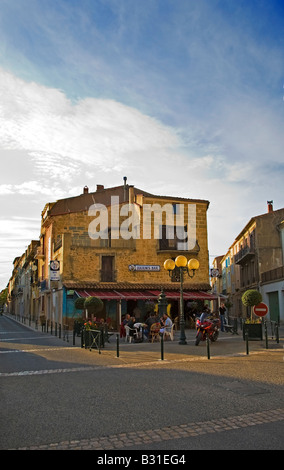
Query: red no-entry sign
260,310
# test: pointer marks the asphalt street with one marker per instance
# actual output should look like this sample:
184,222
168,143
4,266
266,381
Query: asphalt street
58,396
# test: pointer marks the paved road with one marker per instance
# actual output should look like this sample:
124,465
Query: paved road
55,395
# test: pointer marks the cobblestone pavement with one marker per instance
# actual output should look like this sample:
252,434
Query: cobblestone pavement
131,439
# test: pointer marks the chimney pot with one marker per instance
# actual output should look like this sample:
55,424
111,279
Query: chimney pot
86,190
270,206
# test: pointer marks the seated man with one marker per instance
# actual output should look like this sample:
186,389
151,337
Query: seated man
149,322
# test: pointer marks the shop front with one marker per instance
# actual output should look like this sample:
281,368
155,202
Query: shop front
138,302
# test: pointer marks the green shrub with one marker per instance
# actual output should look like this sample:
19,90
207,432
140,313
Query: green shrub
79,303
94,305
251,297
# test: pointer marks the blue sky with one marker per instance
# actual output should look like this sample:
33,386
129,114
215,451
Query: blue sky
183,97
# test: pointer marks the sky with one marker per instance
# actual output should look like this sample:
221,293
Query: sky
183,97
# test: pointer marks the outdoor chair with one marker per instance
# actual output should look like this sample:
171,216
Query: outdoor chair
169,333
128,336
154,333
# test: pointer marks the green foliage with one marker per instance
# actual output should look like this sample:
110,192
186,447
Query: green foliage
3,296
93,305
79,303
251,297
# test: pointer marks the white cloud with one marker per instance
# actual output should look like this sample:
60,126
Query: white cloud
58,134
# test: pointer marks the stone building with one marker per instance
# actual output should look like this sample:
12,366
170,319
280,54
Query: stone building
112,244
255,261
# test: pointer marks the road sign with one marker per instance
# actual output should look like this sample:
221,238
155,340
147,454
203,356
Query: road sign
260,310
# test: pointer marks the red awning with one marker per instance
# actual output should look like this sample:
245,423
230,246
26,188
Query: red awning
112,294
102,294
136,295
201,295
144,294
198,295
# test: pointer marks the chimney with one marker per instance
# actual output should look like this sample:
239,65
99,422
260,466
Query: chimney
125,188
85,190
269,206
131,194
100,187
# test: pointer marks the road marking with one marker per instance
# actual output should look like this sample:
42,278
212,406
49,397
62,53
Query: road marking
24,338
154,362
37,350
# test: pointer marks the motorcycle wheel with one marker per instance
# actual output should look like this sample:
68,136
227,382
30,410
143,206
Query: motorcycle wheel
198,338
214,336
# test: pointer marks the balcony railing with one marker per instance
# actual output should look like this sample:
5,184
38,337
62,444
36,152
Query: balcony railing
245,254
276,274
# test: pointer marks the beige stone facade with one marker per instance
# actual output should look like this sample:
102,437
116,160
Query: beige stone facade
115,263
255,261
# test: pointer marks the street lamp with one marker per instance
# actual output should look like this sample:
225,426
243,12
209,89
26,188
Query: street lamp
183,267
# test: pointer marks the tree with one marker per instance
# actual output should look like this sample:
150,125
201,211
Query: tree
93,305
251,297
79,303
3,296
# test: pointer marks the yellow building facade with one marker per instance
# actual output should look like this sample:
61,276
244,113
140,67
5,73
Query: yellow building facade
112,243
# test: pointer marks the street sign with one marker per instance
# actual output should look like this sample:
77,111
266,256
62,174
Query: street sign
260,310
54,269
141,267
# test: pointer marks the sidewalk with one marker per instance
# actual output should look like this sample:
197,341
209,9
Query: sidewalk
117,351
226,346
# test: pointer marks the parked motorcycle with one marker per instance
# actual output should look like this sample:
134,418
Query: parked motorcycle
207,327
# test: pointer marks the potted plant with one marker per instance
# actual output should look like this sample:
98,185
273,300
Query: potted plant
79,303
252,326
93,305
79,321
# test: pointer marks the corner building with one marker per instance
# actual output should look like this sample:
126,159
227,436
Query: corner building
124,270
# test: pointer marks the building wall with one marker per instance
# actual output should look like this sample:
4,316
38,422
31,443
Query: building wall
65,237
81,256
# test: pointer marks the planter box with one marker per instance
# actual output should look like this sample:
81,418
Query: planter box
92,339
254,331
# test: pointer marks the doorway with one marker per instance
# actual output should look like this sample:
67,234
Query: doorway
273,299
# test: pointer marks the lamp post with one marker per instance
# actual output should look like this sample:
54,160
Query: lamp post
183,267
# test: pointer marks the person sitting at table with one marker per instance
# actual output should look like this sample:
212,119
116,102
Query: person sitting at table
166,323
149,322
130,323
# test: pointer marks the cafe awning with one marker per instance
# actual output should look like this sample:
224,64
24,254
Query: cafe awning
192,295
143,294
102,294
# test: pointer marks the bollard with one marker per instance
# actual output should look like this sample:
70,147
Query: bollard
277,332
247,342
100,333
74,334
208,346
266,335
162,347
117,345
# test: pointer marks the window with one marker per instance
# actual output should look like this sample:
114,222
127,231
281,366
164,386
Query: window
170,238
107,270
